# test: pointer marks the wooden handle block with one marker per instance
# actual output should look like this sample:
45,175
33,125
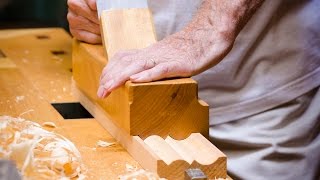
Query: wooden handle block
167,157
163,108
127,29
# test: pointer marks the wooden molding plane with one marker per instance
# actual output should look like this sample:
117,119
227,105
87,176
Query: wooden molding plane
169,158
162,124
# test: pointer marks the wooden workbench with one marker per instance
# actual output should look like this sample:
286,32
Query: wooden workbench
37,72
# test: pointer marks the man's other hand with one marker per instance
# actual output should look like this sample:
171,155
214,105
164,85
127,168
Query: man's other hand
83,20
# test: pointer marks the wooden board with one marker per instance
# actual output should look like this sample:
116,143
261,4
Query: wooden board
26,90
18,96
45,56
169,158
169,107
6,63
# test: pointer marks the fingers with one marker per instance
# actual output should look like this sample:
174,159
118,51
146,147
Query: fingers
81,8
161,71
120,68
113,62
155,62
92,4
86,36
142,66
137,73
112,83
81,23
153,74
103,91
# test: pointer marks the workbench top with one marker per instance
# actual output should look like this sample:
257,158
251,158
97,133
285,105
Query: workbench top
35,71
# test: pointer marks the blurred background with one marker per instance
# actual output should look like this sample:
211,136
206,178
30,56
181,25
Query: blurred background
33,13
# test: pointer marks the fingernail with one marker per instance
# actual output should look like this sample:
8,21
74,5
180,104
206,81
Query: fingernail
105,94
101,91
104,90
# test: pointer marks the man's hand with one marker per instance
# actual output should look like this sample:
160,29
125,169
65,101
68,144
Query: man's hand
199,46
83,20
171,57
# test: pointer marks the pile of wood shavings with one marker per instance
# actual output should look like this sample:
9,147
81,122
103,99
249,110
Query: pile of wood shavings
38,153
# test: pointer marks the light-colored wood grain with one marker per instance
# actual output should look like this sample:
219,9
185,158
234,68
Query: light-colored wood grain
6,63
23,93
17,95
168,107
167,157
125,29
33,56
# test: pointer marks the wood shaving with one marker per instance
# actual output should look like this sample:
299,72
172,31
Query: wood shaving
104,144
19,98
26,112
38,153
49,124
130,168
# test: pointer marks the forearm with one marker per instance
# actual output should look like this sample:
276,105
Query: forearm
212,30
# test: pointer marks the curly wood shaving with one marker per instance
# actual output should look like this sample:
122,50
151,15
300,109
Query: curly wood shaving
26,112
19,98
104,144
130,168
38,152
49,124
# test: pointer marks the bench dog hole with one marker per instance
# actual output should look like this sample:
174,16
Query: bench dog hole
72,110
42,37
58,52
2,55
